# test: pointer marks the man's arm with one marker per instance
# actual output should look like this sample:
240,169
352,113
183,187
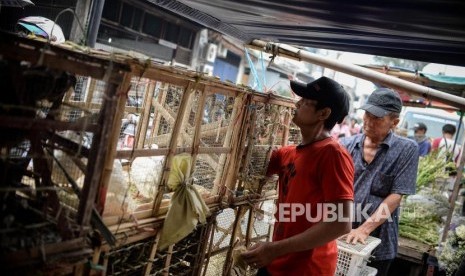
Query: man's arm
382,213
262,253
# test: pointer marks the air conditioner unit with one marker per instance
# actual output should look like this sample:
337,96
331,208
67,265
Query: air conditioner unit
207,69
222,51
210,52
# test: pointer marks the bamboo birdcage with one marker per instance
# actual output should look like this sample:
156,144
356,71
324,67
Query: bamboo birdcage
52,153
146,113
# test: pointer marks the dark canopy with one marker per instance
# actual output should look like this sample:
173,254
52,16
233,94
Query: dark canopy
424,30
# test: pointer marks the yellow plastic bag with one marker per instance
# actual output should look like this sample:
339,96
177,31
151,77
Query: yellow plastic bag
187,206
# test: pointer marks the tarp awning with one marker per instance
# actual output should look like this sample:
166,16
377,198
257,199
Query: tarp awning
431,31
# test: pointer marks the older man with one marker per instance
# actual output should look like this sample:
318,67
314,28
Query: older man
385,169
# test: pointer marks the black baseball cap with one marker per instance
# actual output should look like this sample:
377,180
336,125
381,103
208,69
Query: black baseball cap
328,93
382,102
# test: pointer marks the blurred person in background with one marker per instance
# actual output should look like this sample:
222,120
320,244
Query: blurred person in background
341,130
445,144
419,136
355,127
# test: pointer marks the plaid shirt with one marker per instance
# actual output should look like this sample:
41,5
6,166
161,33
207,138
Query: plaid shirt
393,170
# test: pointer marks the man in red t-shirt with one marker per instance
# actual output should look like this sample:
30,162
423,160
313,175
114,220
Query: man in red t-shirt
315,188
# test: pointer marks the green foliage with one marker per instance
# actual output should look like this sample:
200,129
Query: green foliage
419,223
430,168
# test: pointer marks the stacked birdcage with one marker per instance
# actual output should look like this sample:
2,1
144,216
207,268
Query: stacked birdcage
105,146
53,149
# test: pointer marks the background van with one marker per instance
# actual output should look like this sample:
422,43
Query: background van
433,118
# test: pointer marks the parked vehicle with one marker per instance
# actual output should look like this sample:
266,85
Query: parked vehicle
433,118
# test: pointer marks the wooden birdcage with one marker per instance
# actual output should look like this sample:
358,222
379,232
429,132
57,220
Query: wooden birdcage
103,152
53,153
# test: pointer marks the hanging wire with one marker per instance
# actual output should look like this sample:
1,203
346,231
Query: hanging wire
256,85
263,71
77,20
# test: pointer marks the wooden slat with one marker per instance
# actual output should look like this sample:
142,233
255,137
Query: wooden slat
145,118
412,250
98,155
153,251
173,144
197,129
56,57
113,142
128,154
239,144
287,122
35,254
45,124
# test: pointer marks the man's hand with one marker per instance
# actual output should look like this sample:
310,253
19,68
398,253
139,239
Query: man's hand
259,255
357,235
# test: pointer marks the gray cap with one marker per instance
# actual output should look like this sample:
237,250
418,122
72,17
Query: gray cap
382,102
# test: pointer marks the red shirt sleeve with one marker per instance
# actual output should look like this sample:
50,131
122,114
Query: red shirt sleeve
435,144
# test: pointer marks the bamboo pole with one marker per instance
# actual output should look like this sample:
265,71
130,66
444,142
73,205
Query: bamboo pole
173,144
202,247
126,154
90,94
271,142
231,130
105,264
236,227
239,144
145,118
157,116
251,139
169,254
153,251
210,245
197,129
455,191
357,71
98,153
186,139
113,142
287,122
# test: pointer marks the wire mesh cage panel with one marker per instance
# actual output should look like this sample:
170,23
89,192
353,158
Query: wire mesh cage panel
294,135
216,264
207,171
129,260
185,257
261,222
98,91
42,167
80,89
166,103
266,133
284,118
216,119
137,92
222,231
189,122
